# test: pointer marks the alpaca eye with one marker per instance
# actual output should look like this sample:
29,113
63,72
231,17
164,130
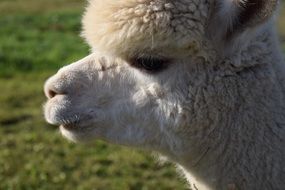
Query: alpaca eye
149,64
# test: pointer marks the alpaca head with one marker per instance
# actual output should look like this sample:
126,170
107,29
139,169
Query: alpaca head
139,87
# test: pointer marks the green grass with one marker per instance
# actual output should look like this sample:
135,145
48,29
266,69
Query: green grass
36,42
36,38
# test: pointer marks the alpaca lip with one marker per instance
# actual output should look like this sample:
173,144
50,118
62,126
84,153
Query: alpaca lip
70,126
77,122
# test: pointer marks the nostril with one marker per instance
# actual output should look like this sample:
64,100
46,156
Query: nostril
51,93
56,86
50,90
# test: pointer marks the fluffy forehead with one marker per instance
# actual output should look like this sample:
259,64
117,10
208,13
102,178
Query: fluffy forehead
128,27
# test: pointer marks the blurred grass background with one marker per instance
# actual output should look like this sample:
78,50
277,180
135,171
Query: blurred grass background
37,37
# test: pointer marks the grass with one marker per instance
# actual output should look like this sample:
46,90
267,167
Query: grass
36,38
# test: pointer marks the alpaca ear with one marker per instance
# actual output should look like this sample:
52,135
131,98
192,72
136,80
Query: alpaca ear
232,17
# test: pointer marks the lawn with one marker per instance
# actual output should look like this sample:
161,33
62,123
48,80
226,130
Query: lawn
36,38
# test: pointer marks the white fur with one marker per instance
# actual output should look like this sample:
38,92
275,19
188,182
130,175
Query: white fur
218,111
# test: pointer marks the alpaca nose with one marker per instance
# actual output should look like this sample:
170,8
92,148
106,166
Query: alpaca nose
50,93
51,89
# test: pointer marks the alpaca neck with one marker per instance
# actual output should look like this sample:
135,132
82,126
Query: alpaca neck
238,119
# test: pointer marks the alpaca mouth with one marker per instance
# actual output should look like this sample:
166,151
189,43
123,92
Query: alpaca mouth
70,126
74,123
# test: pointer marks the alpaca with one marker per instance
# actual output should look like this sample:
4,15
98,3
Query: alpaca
201,82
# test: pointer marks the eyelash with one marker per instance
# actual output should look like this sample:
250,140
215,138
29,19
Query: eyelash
149,64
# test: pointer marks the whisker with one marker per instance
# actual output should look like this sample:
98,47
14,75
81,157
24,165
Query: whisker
75,120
